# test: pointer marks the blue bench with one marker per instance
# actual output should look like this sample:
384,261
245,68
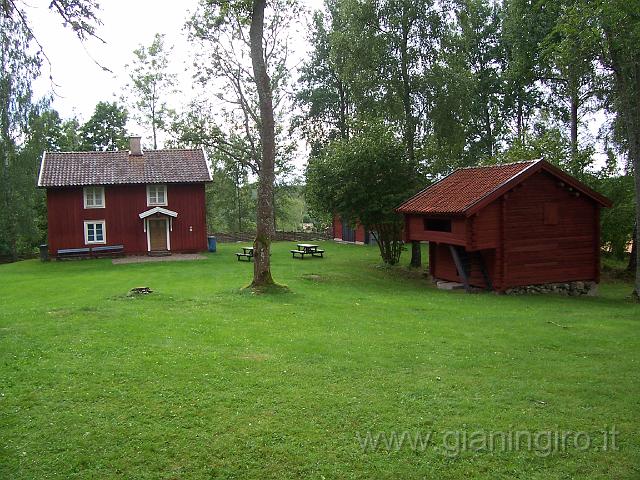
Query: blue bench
95,252
73,253
107,250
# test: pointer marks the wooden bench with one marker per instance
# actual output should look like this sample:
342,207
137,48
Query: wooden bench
318,252
248,256
107,251
73,253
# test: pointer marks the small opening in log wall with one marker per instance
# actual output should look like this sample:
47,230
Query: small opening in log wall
437,224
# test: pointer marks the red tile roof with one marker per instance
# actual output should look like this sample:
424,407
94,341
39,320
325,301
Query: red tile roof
62,169
468,189
462,189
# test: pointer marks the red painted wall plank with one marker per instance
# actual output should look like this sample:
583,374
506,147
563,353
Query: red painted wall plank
337,227
539,252
360,232
66,215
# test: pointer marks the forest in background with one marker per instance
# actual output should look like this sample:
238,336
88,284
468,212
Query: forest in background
455,83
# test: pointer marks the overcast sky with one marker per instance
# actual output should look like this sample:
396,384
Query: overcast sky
80,82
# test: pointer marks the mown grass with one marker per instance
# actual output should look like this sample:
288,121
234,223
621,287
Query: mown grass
202,379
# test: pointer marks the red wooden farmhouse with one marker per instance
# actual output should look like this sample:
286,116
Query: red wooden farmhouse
506,226
126,201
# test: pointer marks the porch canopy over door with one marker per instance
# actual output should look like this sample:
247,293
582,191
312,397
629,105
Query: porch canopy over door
158,223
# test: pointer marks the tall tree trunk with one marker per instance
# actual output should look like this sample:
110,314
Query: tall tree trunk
409,121
342,121
238,207
636,169
574,129
153,117
266,177
520,119
416,254
489,131
275,223
633,258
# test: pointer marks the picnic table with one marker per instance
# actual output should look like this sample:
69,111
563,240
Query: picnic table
247,252
307,249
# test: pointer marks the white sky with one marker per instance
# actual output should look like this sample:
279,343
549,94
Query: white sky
80,82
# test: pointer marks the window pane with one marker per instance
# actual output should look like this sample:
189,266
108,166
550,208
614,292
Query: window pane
99,233
157,195
90,232
93,197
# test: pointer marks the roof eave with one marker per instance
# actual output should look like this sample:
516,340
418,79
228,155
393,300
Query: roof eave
578,185
206,162
521,176
430,214
39,185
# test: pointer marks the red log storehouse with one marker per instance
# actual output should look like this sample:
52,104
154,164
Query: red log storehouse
506,226
141,202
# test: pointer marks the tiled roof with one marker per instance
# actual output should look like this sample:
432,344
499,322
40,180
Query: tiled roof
462,189
61,169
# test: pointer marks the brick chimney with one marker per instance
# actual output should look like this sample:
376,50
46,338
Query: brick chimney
135,146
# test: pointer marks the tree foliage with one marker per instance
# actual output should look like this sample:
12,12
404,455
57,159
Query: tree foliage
151,85
362,180
106,129
22,128
488,82
323,93
619,24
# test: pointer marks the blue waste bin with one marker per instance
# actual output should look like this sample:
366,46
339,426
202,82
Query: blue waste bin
212,243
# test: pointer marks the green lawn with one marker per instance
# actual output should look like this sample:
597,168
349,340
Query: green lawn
203,380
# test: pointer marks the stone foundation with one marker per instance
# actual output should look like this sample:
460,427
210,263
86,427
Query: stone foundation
566,288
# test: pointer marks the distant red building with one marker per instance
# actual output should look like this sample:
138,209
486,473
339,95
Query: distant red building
345,232
509,225
151,201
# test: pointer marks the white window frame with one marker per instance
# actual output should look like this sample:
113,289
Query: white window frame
93,189
86,232
156,203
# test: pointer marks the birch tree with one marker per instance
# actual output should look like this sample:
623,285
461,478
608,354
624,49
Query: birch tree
151,84
244,61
